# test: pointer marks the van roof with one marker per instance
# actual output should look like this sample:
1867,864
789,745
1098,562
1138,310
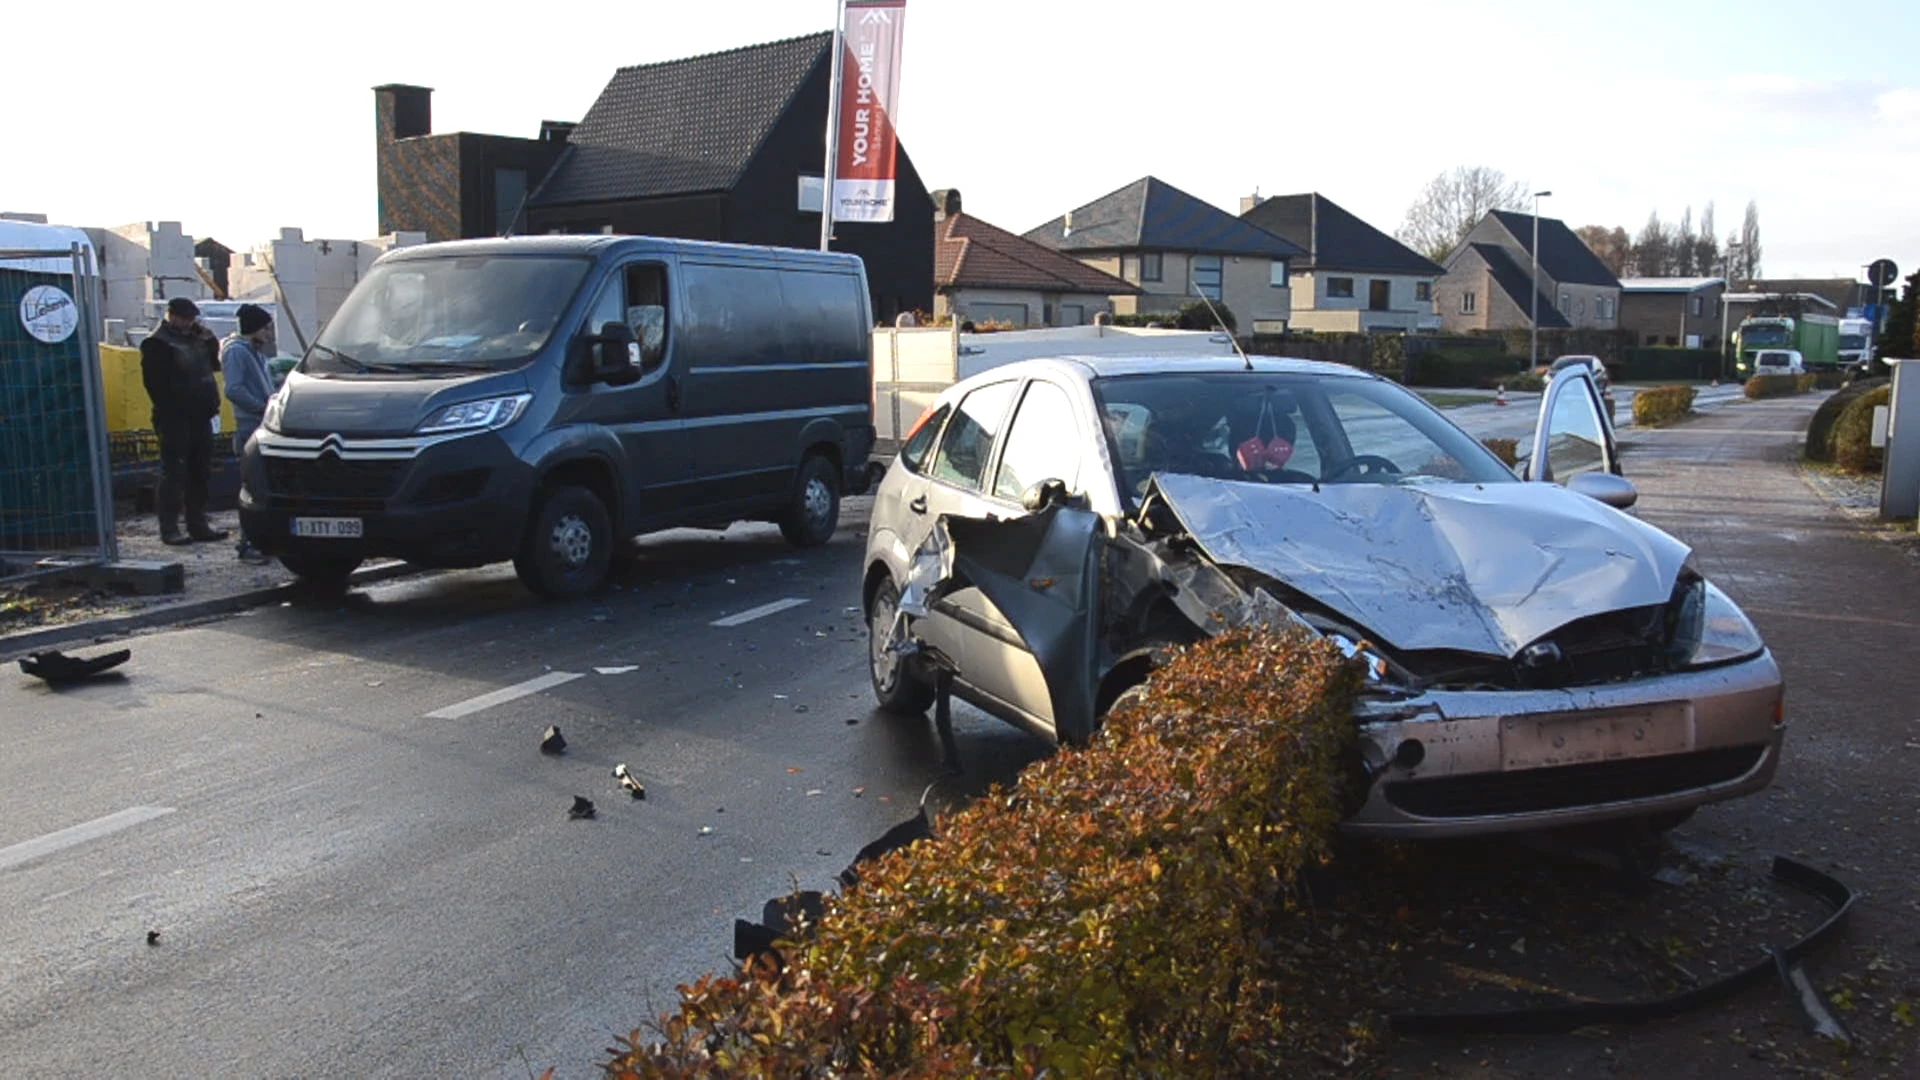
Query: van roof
597,244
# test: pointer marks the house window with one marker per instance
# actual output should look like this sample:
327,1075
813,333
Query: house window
1379,295
1581,305
1150,266
1277,274
1206,276
1340,287
1469,303
1130,268
509,191
1566,304
1423,291
1698,303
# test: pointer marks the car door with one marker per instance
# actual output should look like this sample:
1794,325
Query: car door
1571,435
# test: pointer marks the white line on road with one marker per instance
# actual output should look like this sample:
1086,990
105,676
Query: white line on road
500,697
760,612
79,834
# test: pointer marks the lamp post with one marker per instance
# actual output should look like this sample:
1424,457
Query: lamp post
1726,286
1534,351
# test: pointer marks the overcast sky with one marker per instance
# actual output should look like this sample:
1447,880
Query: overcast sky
236,121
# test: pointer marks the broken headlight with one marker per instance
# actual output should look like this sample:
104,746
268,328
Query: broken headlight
1712,629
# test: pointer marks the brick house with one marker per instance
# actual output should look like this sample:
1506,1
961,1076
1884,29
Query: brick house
982,273
1489,279
1672,311
1353,278
1174,248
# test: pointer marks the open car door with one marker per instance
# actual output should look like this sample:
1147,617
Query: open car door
1573,443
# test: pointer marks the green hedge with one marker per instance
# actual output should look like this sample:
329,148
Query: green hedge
1662,405
1657,364
1483,368
1192,315
1820,428
1123,912
1853,447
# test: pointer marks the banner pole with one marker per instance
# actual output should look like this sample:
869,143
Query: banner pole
833,126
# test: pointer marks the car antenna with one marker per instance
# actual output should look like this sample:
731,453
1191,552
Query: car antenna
1222,324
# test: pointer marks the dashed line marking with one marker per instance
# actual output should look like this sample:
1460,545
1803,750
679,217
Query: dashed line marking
503,695
79,834
760,612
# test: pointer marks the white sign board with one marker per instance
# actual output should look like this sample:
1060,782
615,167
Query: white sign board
49,314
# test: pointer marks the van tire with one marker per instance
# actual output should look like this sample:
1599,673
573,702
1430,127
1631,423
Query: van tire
814,511
331,572
569,545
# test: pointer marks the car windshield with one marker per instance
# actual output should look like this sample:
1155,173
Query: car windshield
1283,428
448,314
1764,335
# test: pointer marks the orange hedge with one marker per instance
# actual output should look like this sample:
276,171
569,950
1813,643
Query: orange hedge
1661,405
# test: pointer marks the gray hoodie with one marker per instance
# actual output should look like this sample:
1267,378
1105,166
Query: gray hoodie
249,383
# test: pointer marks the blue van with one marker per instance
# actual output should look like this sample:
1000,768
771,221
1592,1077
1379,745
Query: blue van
541,399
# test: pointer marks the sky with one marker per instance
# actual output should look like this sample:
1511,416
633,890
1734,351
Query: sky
242,122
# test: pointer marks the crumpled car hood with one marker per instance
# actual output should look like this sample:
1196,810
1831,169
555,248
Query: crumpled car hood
1485,569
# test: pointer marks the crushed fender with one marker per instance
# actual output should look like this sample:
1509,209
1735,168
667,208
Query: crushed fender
1560,1019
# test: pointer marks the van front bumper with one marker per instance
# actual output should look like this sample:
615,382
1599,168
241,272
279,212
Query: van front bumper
455,503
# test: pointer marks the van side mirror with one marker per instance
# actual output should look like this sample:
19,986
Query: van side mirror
616,354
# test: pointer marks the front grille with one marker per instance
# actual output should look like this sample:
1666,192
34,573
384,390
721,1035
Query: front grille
1562,787
329,478
1608,647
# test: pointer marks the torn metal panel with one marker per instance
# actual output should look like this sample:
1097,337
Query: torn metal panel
1484,569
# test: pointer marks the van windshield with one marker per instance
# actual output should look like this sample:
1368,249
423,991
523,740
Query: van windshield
448,314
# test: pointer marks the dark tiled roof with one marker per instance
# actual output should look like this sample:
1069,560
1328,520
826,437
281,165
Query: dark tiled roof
1152,215
1516,281
1563,256
682,126
970,252
1335,239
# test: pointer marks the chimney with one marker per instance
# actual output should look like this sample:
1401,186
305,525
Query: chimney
1248,202
946,203
402,112
1066,226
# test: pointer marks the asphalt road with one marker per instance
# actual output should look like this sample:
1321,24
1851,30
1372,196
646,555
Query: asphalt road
358,862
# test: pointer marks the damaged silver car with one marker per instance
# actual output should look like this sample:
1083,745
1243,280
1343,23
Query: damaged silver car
1537,656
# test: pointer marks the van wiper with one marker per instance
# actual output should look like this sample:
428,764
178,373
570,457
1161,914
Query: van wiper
349,361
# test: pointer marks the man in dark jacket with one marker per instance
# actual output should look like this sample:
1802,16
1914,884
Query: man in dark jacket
177,364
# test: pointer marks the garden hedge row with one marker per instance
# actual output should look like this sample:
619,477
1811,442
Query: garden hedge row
1483,368
1766,386
1853,447
1820,428
1113,915
1662,405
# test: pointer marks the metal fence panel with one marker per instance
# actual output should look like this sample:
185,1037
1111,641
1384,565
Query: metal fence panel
55,476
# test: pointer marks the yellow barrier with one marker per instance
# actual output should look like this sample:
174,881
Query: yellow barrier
128,406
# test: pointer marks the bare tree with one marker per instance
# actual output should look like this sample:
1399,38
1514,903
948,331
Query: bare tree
1683,241
1452,203
1706,246
1750,241
1653,249
1611,246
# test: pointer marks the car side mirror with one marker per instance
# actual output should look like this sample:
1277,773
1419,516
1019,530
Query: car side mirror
616,354
1047,493
1616,491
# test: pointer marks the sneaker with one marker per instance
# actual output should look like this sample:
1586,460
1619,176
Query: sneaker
252,556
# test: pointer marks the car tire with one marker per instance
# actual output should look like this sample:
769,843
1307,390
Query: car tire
569,545
895,686
814,511
331,572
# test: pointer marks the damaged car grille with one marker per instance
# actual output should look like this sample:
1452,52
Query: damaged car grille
1609,647
1569,786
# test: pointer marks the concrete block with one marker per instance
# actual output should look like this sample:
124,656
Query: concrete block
144,577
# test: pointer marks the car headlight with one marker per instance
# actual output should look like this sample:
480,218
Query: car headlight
275,406
1712,628
476,415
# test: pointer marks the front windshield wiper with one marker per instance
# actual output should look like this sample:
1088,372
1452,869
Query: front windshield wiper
340,356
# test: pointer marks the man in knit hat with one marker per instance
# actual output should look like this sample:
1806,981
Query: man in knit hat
177,365
243,357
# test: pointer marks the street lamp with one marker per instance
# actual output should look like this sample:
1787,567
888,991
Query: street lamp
1535,349
1726,286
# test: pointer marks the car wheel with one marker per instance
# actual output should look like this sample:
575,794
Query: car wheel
895,686
568,546
321,571
815,510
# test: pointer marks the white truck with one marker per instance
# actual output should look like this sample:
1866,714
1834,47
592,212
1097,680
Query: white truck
1856,343
912,365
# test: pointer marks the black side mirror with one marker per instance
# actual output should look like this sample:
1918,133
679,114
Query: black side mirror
1044,494
616,354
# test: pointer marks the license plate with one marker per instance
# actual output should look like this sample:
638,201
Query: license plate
328,528
1539,742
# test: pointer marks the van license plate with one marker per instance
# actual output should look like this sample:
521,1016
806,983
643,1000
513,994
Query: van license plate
328,528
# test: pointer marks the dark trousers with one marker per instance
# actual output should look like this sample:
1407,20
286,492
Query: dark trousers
186,460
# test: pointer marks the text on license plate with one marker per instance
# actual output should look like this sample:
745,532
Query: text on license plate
1536,742
328,528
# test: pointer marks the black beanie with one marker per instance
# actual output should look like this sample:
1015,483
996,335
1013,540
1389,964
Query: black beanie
253,317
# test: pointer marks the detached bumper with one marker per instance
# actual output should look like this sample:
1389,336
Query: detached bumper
1460,763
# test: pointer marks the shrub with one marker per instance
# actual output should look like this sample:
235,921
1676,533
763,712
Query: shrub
1853,448
1192,315
1804,383
1820,428
1507,450
1829,380
1459,367
1656,363
1530,381
1662,405
1766,386
1111,916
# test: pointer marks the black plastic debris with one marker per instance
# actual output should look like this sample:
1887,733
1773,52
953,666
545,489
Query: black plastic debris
582,809
782,919
918,827
57,668
551,742
153,937
1571,1016
629,781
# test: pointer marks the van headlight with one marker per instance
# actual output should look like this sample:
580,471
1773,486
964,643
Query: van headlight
275,406
1713,630
476,415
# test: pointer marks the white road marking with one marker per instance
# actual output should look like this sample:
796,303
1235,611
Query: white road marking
760,612
500,697
79,834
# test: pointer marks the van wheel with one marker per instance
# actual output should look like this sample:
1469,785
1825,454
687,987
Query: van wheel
894,684
321,571
815,512
568,547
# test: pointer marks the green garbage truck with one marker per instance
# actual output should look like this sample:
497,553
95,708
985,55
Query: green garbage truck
1815,337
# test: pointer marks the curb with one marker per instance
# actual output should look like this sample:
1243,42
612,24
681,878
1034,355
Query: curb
13,646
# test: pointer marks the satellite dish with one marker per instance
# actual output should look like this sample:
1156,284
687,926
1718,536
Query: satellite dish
1882,273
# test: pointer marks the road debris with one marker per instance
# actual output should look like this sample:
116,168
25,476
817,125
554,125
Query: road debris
582,809
58,669
620,669
551,741
631,782
153,937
